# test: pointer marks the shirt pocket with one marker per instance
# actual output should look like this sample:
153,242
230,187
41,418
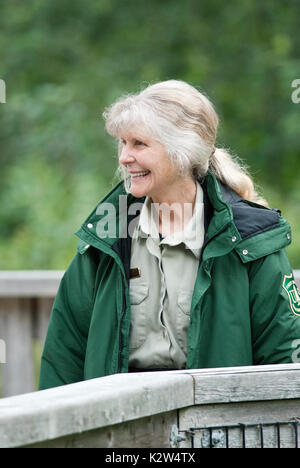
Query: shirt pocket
184,300
138,296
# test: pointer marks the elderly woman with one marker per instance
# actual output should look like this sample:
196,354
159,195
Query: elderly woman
182,264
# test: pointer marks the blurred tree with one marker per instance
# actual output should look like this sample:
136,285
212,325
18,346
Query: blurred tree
63,63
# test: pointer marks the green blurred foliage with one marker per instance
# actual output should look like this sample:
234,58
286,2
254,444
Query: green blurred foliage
63,62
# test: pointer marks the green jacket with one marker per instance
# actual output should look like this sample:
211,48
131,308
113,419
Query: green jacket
245,307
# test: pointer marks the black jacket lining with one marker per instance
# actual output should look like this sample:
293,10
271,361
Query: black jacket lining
249,220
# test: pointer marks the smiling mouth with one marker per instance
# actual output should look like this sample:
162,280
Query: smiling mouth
139,175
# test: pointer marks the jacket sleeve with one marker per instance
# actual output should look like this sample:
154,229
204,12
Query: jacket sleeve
64,351
275,322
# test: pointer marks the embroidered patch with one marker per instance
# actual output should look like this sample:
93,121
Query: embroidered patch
289,285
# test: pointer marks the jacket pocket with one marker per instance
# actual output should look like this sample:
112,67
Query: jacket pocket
138,295
184,301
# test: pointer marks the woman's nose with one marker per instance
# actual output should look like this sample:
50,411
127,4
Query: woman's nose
126,157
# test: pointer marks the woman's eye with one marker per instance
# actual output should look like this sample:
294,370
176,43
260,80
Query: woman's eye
139,143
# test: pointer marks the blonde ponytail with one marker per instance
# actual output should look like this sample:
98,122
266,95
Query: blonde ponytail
232,172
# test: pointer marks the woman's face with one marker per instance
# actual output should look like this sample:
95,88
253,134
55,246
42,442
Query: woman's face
152,173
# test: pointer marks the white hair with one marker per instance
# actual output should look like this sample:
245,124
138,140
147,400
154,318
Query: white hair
185,122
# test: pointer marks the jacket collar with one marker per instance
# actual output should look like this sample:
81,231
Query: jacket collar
260,231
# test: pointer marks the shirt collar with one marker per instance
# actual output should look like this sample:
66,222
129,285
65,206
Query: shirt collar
192,235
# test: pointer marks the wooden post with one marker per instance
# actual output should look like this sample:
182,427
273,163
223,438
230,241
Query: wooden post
16,332
42,316
26,299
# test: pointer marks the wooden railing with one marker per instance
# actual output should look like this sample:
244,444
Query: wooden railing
26,298
257,406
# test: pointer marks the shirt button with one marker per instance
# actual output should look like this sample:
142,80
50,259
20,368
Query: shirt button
245,252
288,236
90,225
233,239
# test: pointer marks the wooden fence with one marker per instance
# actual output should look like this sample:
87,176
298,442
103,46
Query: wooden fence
256,406
26,298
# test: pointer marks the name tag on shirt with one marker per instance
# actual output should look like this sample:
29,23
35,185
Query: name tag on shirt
135,273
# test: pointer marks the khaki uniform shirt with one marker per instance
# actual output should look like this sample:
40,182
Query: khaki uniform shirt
161,296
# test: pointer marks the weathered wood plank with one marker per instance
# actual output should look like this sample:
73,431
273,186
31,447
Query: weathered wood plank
16,331
104,406
88,405
153,431
247,384
43,307
35,283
